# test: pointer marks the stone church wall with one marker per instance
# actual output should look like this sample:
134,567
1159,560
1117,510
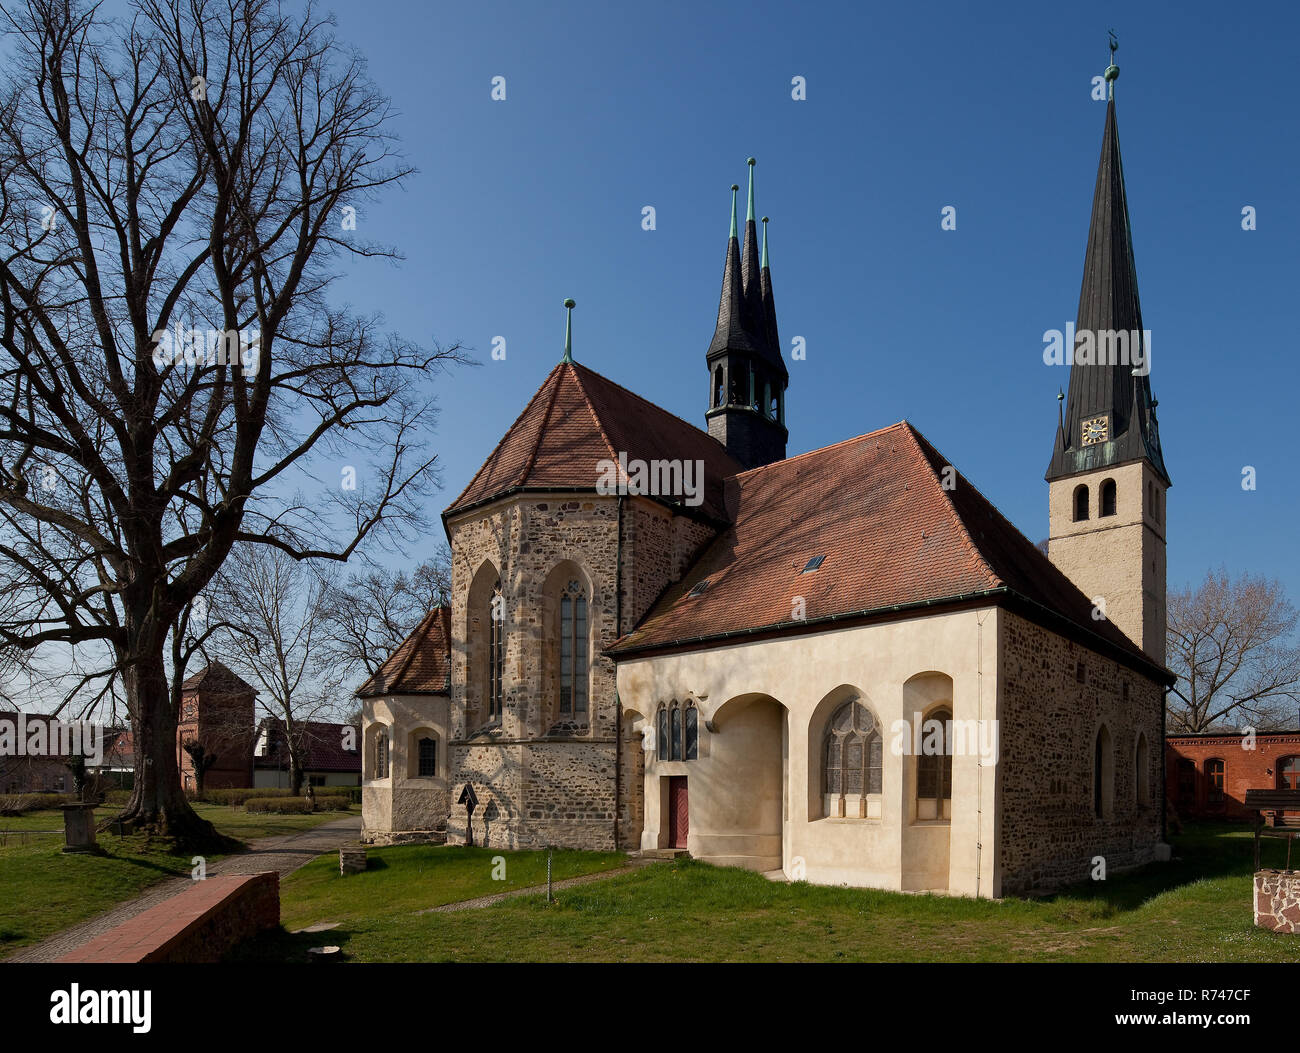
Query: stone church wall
1049,834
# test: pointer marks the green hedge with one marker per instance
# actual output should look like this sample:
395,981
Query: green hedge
237,797
296,805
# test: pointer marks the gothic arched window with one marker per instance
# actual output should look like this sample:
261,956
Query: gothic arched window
381,754
496,651
934,767
662,728
852,756
1103,775
573,651
427,751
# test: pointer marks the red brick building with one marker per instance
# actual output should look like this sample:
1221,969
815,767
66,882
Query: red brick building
217,711
1207,775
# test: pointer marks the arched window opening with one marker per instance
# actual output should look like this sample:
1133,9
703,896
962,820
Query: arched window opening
934,767
381,754
853,760
1214,772
676,733
691,747
427,751
1080,503
496,651
719,390
574,643
1103,775
662,744
1142,772
1108,497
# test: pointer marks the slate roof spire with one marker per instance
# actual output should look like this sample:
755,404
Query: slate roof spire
731,333
1105,383
770,333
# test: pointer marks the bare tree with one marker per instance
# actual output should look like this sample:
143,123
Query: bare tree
201,758
1231,643
371,614
278,601
190,170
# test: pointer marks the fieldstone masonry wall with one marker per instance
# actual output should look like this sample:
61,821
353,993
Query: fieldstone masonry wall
1277,900
1049,833
540,779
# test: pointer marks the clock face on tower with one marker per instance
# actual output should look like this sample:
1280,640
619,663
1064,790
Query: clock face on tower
1097,429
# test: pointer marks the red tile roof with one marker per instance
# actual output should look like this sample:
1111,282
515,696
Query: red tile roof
892,536
579,418
323,746
218,679
421,664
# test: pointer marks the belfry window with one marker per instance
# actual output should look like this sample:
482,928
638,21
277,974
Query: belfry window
1108,497
573,650
1080,503
496,651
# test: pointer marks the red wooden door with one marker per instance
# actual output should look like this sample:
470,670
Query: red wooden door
679,815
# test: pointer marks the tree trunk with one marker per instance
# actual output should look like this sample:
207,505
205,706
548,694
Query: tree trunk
158,803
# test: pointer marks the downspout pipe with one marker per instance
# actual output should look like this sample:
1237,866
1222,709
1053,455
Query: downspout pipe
618,703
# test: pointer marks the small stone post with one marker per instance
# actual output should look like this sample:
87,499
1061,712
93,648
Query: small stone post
79,827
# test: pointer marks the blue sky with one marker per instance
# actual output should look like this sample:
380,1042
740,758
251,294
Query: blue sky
910,107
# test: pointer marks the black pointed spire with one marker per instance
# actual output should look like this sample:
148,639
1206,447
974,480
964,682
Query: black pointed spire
731,333
747,378
770,334
1104,391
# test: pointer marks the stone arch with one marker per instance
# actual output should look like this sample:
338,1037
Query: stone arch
478,640
1106,501
548,637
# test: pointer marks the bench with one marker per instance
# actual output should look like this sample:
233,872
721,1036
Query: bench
1279,803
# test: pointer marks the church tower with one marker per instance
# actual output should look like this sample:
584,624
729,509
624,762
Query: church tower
1107,476
747,376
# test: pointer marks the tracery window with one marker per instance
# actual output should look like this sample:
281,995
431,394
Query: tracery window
573,650
678,727
852,757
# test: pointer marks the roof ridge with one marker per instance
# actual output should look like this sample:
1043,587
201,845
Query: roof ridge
600,424
653,405
917,439
546,419
820,450
497,448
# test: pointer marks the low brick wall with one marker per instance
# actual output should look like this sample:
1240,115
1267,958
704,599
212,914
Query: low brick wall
1277,900
199,925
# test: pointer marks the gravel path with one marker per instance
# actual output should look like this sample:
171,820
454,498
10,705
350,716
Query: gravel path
635,863
283,854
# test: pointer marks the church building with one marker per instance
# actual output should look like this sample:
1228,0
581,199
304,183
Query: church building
846,666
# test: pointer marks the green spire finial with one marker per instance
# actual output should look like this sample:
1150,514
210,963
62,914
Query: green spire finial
734,188
749,212
763,266
1112,71
568,330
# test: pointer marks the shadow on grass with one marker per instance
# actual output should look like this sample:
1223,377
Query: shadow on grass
1200,852
280,946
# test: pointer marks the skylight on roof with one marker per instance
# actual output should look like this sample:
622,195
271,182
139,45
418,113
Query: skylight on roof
812,564
699,589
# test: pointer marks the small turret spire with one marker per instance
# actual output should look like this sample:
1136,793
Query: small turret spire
569,305
749,212
1112,70
763,266
734,187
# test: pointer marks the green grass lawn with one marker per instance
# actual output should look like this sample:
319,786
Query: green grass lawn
404,879
43,891
1194,909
